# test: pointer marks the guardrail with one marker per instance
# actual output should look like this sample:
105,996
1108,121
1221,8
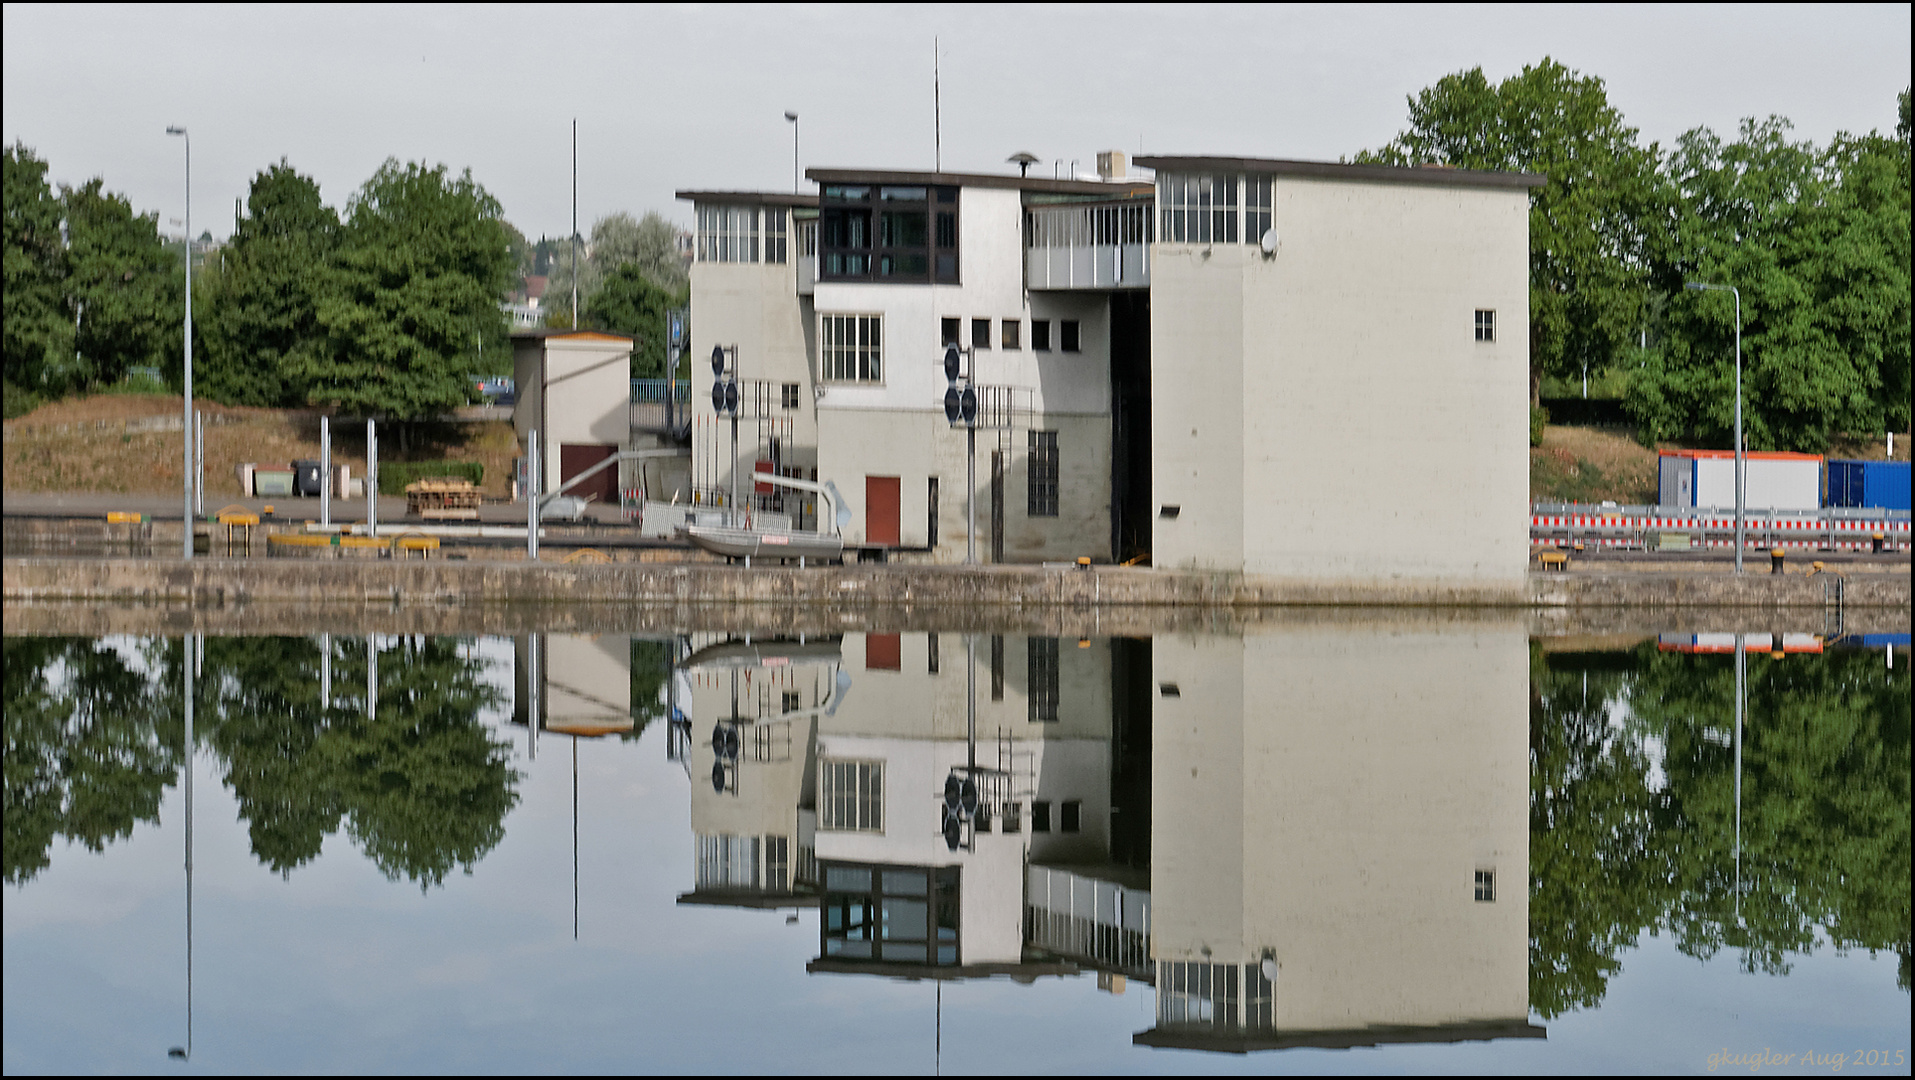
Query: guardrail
1682,528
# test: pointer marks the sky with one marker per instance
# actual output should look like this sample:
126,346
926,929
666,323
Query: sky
693,97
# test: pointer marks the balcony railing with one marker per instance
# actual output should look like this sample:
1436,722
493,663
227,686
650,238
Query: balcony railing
648,403
1094,246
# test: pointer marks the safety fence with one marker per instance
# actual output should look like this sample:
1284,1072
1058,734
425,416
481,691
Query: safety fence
1679,528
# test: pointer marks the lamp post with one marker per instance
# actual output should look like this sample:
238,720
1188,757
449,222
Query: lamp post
793,117
186,469
1700,286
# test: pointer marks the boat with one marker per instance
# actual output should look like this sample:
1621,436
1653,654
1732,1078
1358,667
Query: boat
765,544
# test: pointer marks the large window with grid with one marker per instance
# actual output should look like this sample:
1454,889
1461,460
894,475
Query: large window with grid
1196,994
850,796
1041,481
851,348
729,234
726,861
774,234
1257,217
1199,209
1040,655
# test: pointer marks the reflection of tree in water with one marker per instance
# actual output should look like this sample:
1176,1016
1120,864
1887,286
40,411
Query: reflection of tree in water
1825,814
651,666
89,749
422,786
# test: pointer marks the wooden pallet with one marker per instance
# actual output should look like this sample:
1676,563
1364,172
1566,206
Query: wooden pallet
443,498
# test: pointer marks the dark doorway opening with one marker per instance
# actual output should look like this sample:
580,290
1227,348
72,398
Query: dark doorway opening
1132,695
575,458
1130,520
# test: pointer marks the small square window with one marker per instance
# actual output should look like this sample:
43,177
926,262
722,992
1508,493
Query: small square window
791,701
931,651
1041,335
1070,335
1072,817
1486,886
788,395
1013,333
980,333
953,330
1485,325
1013,818
1040,815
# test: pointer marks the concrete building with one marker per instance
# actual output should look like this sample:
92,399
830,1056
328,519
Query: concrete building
574,387
1281,368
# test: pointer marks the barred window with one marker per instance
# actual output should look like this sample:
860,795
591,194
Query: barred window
726,861
1199,209
777,862
1485,325
1040,658
788,395
808,239
1041,482
1196,994
774,234
851,796
1257,218
851,348
729,234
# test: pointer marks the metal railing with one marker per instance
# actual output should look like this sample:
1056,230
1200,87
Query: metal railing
648,411
1684,528
1088,246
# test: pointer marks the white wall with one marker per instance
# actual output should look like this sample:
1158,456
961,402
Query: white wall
576,389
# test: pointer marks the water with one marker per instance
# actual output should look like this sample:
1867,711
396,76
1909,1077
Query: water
1460,849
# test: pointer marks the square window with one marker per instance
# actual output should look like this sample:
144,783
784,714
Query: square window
788,395
980,333
791,701
1485,325
1010,338
1070,335
1486,886
1071,817
1041,335
1013,818
953,330
1040,815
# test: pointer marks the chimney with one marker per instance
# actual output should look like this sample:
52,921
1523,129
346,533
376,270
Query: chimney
1111,165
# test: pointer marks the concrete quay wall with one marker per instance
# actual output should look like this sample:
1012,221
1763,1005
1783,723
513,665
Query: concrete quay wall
219,582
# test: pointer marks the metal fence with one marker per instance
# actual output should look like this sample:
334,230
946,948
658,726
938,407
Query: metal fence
1682,528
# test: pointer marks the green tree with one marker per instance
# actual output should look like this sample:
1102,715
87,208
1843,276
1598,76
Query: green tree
1817,240
126,289
88,753
1590,226
413,300
38,327
629,303
257,310
650,244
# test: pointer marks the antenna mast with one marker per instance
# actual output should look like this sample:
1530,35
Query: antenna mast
937,109
575,223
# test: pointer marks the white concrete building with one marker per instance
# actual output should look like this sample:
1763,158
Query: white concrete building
574,389
1290,369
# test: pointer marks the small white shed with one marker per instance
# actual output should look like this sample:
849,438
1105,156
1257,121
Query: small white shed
574,389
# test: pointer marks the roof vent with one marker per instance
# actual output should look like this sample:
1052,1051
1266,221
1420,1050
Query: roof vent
1112,165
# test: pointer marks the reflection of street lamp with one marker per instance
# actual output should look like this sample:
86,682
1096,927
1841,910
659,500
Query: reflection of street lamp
1701,287
183,1053
186,473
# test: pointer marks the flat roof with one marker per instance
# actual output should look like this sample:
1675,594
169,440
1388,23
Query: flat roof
753,198
534,333
1336,170
987,180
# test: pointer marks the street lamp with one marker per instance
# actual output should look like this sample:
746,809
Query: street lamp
793,117
186,468
1700,286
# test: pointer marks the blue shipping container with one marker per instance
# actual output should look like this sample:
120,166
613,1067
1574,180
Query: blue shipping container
1880,484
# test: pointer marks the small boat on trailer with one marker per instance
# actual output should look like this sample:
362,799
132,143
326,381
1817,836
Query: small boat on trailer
758,543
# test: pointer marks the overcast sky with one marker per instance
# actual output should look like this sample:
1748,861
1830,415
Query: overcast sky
694,97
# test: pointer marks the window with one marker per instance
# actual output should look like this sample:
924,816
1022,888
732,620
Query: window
1041,335
997,667
1040,486
1485,325
728,233
728,862
791,701
1199,209
1257,218
1486,886
952,329
774,234
931,652
1191,993
931,538
980,333
886,234
851,348
1069,335
777,862
1040,815
1071,815
788,395
1040,658
1012,332
1013,818
851,796
890,914
808,239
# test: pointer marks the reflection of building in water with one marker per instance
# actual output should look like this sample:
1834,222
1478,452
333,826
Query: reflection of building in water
1341,838
585,682
834,770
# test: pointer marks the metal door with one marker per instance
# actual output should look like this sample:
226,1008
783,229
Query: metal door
881,510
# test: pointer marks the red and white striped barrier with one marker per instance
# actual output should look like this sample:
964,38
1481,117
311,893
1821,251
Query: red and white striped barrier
1631,527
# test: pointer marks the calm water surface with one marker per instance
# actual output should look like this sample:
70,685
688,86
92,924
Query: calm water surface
1338,847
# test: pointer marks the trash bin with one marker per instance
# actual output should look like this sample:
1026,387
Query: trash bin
307,480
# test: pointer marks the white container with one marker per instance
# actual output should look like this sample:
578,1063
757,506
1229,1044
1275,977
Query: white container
1705,479
245,471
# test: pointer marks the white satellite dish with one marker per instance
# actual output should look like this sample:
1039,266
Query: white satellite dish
1269,241
1269,965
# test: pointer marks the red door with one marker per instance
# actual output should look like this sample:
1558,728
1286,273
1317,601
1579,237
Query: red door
881,510
575,458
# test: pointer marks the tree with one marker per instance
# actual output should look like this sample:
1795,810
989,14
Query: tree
413,297
126,289
1817,240
629,303
257,313
650,244
1590,225
38,328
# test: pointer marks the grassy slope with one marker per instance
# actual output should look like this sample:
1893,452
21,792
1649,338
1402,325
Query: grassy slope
89,458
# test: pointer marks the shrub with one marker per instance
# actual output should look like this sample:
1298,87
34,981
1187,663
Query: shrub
395,475
1538,419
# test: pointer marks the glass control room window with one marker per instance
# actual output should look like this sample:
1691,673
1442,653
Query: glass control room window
1198,209
728,233
775,234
